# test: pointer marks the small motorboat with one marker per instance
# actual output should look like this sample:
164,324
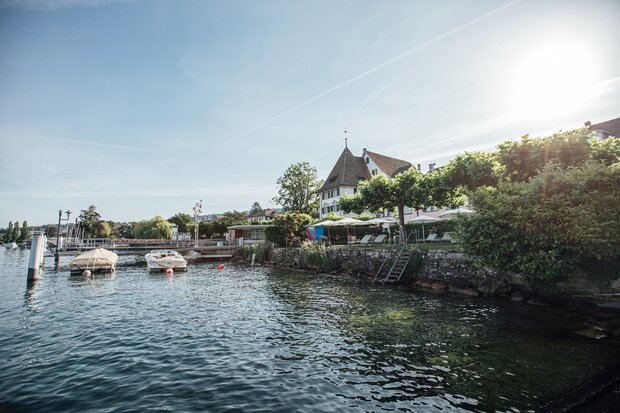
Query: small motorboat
10,245
162,260
97,260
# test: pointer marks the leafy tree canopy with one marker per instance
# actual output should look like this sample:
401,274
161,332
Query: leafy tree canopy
24,234
409,188
184,221
156,228
92,223
256,208
297,189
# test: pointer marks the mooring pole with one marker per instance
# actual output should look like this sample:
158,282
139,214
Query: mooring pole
37,249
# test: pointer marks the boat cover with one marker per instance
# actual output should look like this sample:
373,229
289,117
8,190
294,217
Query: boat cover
98,258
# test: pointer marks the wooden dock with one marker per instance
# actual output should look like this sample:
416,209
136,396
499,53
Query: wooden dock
208,249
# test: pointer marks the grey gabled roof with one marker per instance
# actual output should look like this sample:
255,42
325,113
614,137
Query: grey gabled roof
348,171
389,165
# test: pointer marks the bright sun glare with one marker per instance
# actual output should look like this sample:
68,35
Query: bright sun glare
555,79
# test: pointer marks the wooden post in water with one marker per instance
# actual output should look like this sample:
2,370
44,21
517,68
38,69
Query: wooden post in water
37,248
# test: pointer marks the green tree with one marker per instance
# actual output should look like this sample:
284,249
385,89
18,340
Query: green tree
233,218
92,223
472,170
256,208
122,230
184,221
524,159
560,220
287,227
409,188
15,233
156,228
297,189
25,232
9,232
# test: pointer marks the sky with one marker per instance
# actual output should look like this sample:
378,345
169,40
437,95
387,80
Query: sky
144,107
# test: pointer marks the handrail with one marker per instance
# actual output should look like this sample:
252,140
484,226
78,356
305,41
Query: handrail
404,245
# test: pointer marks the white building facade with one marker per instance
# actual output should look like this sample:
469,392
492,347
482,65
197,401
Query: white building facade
349,171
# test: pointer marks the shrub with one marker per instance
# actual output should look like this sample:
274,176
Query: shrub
316,256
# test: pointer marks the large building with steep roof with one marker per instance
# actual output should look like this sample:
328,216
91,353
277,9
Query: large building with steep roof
349,170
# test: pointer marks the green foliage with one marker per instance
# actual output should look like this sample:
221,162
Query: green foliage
363,217
122,230
92,223
15,233
331,216
524,159
409,188
184,221
233,218
262,253
256,208
316,256
9,232
24,234
472,170
297,189
547,227
287,227
156,228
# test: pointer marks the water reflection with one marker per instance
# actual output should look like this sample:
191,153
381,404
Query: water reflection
208,340
31,294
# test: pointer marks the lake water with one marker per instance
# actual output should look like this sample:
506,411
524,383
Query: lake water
272,341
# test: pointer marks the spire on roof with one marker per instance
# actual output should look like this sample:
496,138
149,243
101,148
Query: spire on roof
345,138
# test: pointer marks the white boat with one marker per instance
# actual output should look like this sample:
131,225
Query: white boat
96,260
10,245
161,260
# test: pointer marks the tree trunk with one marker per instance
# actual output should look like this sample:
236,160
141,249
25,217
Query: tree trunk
401,223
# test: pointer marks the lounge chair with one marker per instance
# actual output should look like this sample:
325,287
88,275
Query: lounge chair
365,240
380,239
447,237
431,238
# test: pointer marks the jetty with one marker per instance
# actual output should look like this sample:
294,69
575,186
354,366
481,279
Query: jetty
212,248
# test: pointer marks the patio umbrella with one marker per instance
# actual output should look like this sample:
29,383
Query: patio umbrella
454,212
422,219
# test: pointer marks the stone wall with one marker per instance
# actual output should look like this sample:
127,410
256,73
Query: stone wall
448,267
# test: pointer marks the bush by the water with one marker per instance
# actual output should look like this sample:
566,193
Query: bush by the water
263,253
316,255
547,223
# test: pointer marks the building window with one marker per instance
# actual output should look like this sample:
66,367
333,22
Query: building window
367,160
354,191
374,172
338,192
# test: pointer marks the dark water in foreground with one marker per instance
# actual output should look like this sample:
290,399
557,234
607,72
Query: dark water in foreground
263,340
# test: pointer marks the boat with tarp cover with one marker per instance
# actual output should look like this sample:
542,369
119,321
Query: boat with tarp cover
95,260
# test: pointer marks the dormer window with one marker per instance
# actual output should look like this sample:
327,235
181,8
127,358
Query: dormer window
367,160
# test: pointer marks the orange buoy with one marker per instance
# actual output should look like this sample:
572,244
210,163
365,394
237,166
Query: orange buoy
169,271
220,267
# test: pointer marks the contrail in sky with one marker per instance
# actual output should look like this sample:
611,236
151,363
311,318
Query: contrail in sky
378,67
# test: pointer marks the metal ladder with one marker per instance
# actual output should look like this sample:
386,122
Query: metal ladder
402,256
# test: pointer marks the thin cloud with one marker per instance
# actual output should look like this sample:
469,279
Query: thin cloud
82,142
54,5
376,68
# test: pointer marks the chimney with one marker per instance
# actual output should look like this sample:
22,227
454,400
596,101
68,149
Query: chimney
420,167
588,124
431,167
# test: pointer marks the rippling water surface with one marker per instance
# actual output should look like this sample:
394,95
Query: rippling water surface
267,340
